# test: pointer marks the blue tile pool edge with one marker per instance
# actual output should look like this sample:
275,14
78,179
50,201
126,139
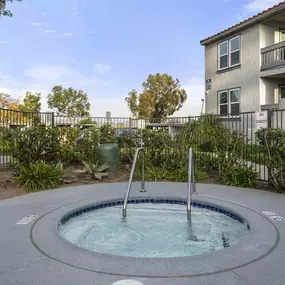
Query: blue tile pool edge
90,208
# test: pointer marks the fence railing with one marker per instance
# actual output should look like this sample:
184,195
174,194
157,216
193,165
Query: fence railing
71,129
273,56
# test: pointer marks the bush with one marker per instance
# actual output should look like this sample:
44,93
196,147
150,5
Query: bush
272,143
35,143
207,161
107,134
39,175
240,176
94,170
227,144
206,146
178,175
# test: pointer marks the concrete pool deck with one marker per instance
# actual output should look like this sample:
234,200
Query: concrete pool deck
23,251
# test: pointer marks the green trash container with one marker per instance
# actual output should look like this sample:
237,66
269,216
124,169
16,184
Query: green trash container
109,153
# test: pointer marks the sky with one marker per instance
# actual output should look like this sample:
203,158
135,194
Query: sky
108,47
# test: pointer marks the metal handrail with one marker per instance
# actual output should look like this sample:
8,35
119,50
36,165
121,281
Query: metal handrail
191,187
140,149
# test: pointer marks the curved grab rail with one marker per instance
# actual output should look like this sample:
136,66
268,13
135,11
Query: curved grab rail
191,186
141,149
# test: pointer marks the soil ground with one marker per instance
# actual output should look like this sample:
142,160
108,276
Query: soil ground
9,189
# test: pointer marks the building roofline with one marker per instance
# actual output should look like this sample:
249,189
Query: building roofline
275,10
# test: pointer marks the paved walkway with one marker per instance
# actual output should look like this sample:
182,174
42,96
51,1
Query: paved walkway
21,263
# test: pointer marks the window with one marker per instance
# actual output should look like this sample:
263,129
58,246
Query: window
229,53
282,92
223,97
282,35
234,51
229,101
223,55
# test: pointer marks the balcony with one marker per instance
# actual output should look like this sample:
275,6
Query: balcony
273,56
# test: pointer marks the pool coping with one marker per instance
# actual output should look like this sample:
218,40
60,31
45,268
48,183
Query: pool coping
260,241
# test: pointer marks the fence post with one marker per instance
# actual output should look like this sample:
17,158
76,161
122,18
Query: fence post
130,124
269,117
189,123
52,119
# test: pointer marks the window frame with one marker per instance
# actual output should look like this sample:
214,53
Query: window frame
229,52
219,55
223,104
229,103
282,31
281,87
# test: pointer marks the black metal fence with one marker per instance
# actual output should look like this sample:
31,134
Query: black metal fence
245,124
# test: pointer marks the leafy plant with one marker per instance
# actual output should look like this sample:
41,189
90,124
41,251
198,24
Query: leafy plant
228,145
94,170
35,143
63,171
240,176
272,143
37,176
178,175
107,134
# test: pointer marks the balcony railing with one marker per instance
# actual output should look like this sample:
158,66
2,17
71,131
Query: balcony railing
273,56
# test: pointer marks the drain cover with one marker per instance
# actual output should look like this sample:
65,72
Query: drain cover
127,282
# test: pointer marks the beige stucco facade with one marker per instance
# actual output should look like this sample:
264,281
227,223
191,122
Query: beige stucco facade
257,87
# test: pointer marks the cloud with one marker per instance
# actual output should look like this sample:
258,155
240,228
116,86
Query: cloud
253,7
117,107
52,73
5,42
72,34
195,89
101,68
42,78
36,24
260,5
6,79
45,14
68,34
74,11
50,31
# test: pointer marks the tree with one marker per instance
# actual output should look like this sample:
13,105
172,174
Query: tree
3,11
161,97
8,102
8,109
31,102
69,102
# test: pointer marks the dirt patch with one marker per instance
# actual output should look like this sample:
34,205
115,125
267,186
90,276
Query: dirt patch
8,189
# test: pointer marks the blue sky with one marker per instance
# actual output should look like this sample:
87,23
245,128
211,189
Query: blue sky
108,47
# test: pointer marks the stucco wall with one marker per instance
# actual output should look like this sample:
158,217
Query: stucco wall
270,33
246,77
271,90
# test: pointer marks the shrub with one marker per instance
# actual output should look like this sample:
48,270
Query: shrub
87,147
227,144
69,147
107,134
37,176
94,170
272,143
178,175
207,161
240,176
206,146
35,143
